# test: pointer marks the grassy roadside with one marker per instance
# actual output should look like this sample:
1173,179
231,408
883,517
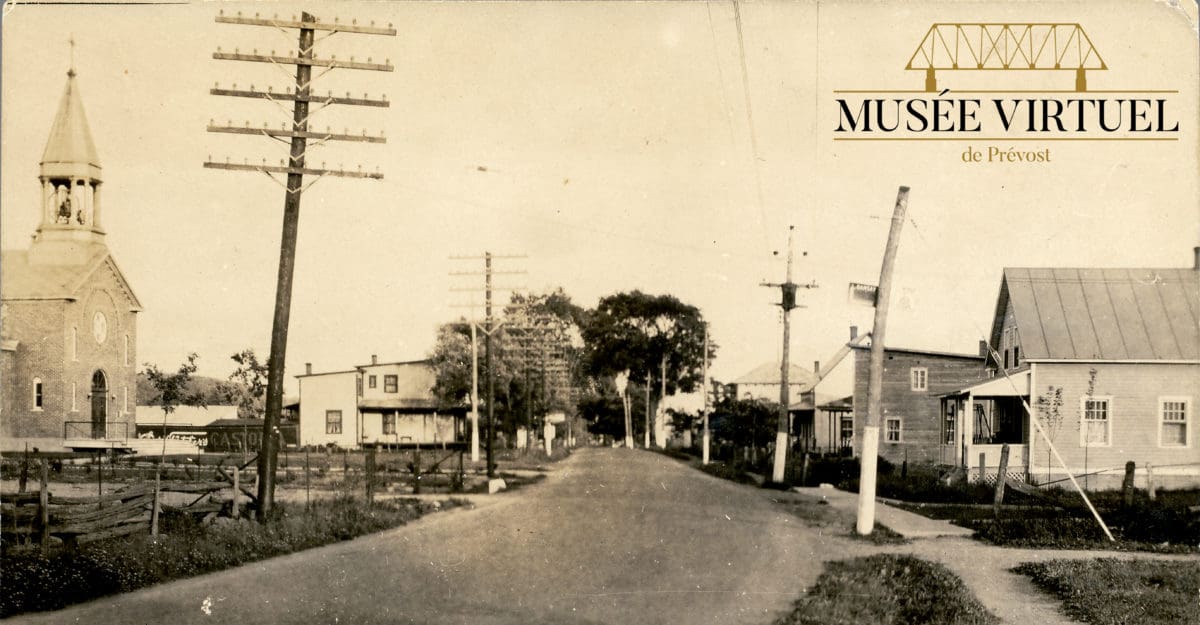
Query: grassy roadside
888,589
1112,591
36,582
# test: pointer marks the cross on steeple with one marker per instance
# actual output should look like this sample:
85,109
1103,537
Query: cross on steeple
71,41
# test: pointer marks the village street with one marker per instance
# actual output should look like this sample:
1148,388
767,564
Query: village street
613,536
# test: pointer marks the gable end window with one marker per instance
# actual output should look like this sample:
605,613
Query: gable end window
918,379
1096,425
390,384
892,432
333,421
1174,415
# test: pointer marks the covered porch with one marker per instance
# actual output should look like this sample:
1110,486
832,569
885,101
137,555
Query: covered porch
978,421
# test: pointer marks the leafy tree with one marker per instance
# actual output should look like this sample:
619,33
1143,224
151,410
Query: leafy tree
247,385
744,422
173,390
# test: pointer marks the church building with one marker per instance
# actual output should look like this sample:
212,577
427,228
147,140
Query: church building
68,317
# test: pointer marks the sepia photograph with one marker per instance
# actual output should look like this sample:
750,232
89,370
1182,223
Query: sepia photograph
768,312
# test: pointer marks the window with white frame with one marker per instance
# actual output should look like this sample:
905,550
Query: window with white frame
389,422
126,350
333,421
1173,416
74,408
847,429
74,343
918,379
1096,423
37,394
390,383
893,429
950,425
371,381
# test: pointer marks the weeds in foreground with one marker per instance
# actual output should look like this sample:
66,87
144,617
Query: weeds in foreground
887,589
1112,591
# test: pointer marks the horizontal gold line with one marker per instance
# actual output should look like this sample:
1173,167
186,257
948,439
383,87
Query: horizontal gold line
953,91
1006,138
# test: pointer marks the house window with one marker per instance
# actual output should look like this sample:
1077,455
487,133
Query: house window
389,422
1096,430
371,381
1173,421
847,431
74,343
126,350
125,398
333,421
892,430
358,386
1016,355
1005,357
37,393
390,384
918,379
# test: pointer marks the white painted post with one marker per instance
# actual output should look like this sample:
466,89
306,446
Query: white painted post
866,482
474,395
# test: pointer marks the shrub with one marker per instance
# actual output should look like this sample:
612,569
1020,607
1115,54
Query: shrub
886,589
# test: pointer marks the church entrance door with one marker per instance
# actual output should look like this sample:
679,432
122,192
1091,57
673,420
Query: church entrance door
99,404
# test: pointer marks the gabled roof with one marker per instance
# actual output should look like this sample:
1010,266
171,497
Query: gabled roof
1102,314
23,280
768,373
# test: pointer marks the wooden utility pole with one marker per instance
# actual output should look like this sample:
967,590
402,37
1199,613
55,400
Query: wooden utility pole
298,133
870,447
787,303
489,328
704,390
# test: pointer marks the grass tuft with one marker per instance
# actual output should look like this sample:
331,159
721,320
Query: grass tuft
888,589
1112,591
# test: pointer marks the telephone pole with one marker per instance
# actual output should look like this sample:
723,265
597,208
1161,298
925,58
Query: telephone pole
704,390
296,135
787,303
489,328
870,448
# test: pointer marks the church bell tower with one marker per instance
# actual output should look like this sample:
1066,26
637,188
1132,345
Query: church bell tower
70,230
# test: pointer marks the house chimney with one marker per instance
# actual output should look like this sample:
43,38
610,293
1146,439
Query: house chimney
816,367
983,348
1196,258
308,368
853,332
374,359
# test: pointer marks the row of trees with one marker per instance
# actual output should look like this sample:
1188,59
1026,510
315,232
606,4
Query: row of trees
551,355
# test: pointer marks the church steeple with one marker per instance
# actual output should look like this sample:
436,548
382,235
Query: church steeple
70,178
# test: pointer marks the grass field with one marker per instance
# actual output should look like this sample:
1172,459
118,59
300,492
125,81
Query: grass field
1122,592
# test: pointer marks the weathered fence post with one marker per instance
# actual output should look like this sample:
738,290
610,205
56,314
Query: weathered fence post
998,497
1127,484
307,501
370,475
24,470
982,465
237,489
44,505
417,470
1151,489
100,479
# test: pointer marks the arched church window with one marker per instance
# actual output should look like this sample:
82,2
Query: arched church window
74,343
37,393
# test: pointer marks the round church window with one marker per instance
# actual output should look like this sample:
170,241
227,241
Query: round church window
99,327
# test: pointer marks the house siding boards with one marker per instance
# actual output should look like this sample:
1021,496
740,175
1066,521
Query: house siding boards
324,392
1135,391
920,411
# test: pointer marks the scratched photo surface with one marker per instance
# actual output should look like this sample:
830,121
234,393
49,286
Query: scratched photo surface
708,151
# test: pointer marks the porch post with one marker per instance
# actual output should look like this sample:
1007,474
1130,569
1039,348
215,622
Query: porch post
968,428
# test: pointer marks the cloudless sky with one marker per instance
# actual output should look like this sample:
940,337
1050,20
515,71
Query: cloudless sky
613,144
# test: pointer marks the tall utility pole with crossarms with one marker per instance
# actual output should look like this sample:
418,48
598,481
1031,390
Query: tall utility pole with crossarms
296,134
787,303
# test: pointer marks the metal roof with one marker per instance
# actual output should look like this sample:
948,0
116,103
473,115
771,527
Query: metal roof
70,141
768,373
1102,314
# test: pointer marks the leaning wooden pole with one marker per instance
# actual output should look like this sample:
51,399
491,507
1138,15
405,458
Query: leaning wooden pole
870,444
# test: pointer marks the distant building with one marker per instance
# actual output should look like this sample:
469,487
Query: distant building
1109,359
764,382
68,341
376,404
